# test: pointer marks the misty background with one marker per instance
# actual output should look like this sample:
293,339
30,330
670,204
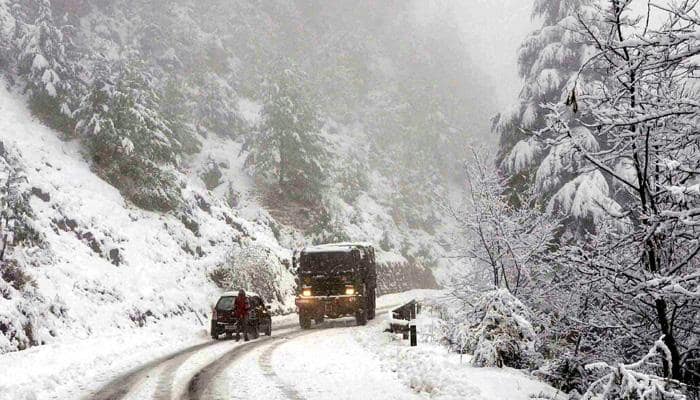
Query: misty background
283,123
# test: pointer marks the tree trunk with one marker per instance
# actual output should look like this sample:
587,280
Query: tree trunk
674,370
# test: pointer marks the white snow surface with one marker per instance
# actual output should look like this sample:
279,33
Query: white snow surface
432,371
72,368
334,360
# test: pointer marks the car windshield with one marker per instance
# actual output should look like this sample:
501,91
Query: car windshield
225,303
328,263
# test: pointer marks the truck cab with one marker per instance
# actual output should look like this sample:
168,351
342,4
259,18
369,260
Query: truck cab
335,280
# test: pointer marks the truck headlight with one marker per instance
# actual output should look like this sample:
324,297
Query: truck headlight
349,290
306,292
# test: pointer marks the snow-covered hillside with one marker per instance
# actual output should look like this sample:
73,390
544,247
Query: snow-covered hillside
108,265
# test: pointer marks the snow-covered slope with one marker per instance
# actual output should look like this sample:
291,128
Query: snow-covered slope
108,265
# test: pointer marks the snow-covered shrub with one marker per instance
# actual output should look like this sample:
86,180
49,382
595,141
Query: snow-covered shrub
20,305
211,174
254,268
15,276
635,381
503,335
567,373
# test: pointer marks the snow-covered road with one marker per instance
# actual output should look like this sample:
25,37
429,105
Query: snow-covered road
290,364
333,360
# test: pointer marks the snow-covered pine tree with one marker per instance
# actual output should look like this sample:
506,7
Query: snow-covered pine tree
16,228
288,144
127,137
216,106
177,108
7,32
547,60
644,104
43,62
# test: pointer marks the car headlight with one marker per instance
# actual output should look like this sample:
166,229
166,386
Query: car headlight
349,290
306,292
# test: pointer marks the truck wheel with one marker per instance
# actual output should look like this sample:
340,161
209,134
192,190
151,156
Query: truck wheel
319,320
373,306
268,331
361,317
304,321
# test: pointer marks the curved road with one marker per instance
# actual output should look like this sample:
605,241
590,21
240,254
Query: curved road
159,379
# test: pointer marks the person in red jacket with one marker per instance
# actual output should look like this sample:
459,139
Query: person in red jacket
241,309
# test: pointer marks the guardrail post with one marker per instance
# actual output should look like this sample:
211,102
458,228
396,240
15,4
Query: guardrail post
414,335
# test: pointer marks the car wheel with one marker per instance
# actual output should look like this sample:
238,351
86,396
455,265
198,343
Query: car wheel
253,331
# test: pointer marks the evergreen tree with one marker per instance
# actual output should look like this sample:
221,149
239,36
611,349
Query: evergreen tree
16,226
7,32
547,59
217,106
43,61
127,136
288,144
177,108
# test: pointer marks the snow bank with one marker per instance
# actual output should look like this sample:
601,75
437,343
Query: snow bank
69,369
434,371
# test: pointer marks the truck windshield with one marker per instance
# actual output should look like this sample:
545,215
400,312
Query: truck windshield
330,263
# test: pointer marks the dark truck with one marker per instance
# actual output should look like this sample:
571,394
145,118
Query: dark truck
335,280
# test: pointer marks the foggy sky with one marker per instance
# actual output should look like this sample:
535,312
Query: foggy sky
494,30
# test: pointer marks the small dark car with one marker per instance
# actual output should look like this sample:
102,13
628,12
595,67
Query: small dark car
223,321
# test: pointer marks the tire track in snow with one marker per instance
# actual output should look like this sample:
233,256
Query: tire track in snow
203,381
122,386
265,359
128,383
200,384
265,362
167,382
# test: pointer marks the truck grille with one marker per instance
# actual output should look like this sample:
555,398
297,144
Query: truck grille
328,287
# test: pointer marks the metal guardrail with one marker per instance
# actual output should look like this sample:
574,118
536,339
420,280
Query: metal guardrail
401,321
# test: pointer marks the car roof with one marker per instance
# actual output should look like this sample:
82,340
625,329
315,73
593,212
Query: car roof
234,293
